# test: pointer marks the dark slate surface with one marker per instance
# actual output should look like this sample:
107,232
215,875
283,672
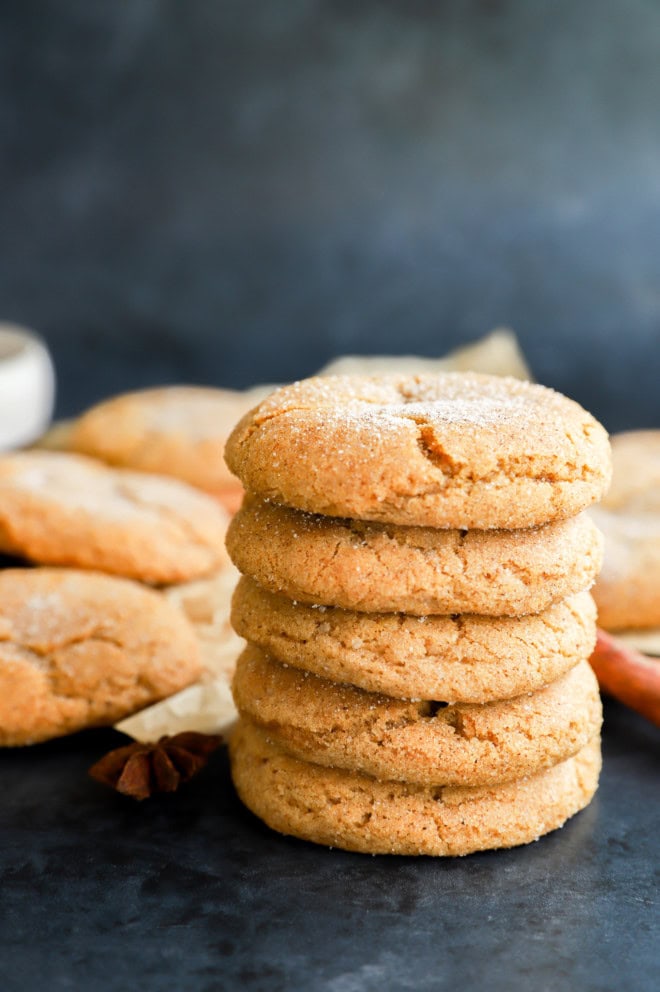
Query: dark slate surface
192,892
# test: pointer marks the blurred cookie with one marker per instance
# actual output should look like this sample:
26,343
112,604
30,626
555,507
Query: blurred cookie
458,450
416,741
79,649
420,570
63,509
358,813
454,658
174,430
627,591
635,473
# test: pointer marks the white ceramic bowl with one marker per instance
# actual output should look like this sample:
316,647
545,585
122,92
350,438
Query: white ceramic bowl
27,387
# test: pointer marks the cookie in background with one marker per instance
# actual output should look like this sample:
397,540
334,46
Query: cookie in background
80,649
178,431
627,592
63,509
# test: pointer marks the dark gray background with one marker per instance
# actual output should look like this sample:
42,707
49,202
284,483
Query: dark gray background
235,191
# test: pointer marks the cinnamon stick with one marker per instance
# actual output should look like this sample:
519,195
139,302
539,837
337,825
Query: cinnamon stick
629,676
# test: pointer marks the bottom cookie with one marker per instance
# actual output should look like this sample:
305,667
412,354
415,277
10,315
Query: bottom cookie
357,813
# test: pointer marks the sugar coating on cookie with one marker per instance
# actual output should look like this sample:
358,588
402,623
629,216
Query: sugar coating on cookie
173,430
348,810
428,743
63,509
376,567
80,649
463,658
458,450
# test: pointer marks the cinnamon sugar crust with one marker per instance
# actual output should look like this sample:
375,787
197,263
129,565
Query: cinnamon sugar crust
464,658
458,450
355,812
417,741
371,567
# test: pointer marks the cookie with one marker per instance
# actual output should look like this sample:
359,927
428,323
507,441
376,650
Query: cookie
429,743
455,658
627,591
348,810
458,450
174,430
62,509
636,473
374,567
79,649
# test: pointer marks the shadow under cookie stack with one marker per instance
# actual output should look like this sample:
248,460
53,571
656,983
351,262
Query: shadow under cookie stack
416,566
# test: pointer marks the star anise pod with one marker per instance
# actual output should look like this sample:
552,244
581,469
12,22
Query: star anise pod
141,770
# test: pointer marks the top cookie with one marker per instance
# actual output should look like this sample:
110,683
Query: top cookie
175,430
60,509
457,450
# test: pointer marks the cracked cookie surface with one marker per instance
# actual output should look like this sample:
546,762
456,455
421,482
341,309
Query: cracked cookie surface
62,509
348,810
79,649
463,658
371,567
458,450
415,741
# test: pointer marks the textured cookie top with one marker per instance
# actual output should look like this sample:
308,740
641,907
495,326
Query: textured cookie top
174,430
463,658
60,509
449,450
348,810
374,567
416,740
79,649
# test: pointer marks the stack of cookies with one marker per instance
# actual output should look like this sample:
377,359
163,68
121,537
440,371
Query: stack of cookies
415,568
